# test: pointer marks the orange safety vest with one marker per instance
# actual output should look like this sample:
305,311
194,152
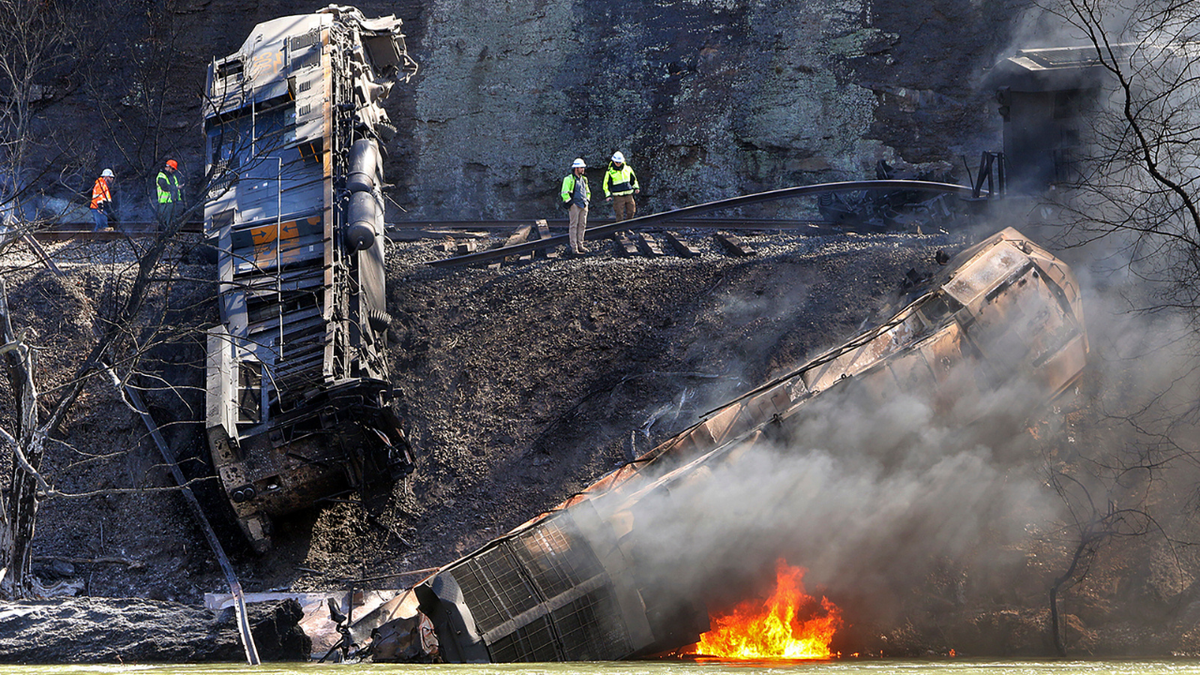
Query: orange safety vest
100,193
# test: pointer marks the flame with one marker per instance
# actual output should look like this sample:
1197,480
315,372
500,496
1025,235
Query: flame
770,629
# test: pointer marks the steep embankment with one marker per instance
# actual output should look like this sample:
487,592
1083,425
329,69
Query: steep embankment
522,385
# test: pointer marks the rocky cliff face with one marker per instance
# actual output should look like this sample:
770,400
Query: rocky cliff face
707,98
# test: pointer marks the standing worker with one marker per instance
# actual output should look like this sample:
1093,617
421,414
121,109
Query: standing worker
102,201
576,193
168,192
620,185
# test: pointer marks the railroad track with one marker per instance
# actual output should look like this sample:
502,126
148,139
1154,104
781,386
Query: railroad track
688,213
696,216
434,229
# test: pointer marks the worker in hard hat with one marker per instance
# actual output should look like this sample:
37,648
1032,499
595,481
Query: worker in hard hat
102,201
620,185
168,192
576,193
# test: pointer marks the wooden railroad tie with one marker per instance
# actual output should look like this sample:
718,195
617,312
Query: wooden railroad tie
734,244
625,245
681,247
517,237
543,229
649,244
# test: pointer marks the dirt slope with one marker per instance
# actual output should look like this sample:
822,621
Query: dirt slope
518,387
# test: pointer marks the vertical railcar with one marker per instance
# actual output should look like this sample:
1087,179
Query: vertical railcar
298,392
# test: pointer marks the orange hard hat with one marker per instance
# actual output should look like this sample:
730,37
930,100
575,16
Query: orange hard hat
172,163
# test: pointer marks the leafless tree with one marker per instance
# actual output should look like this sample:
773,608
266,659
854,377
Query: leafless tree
1093,521
1142,178
1139,192
36,38
132,316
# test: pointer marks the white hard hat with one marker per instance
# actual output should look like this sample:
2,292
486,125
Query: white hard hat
107,173
618,157
578,164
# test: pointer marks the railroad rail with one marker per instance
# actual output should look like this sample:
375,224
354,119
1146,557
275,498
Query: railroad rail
429,229
675,215
683,217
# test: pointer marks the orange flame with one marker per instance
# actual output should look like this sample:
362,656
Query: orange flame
770,629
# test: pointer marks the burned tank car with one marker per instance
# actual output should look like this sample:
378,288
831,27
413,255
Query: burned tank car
568,585
298,393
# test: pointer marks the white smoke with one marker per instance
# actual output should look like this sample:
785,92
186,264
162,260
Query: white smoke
868,498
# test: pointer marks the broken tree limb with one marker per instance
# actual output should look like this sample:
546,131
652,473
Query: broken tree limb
133,399
41,254
103,560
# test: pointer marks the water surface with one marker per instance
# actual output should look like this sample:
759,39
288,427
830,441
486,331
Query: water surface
840,667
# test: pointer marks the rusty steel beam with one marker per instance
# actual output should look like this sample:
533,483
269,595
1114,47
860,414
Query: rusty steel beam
744,200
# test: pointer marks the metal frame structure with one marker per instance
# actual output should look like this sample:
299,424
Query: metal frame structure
298,385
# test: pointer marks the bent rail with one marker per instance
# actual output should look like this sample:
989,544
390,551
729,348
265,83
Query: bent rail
744,200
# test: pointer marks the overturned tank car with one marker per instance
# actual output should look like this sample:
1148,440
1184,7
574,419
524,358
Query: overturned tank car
567,585
298,393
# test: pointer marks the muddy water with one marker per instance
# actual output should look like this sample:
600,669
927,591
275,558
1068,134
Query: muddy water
844,667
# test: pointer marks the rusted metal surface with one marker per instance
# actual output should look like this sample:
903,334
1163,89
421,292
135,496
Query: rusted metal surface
299,393
566,585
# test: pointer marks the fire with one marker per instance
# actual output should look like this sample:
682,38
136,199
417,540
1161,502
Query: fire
770,629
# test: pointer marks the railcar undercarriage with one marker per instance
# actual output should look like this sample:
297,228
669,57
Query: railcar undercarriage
299,395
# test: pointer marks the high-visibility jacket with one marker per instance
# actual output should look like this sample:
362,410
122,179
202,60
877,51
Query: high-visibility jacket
168,187
623,181
100,193
568,188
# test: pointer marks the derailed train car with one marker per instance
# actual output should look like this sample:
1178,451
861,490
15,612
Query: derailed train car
298,393
566,585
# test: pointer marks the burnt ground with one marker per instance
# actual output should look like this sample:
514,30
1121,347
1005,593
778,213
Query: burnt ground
517,386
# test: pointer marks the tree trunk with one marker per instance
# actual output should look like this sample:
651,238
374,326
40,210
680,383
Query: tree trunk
1055,631
24,518
5,548
16,533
